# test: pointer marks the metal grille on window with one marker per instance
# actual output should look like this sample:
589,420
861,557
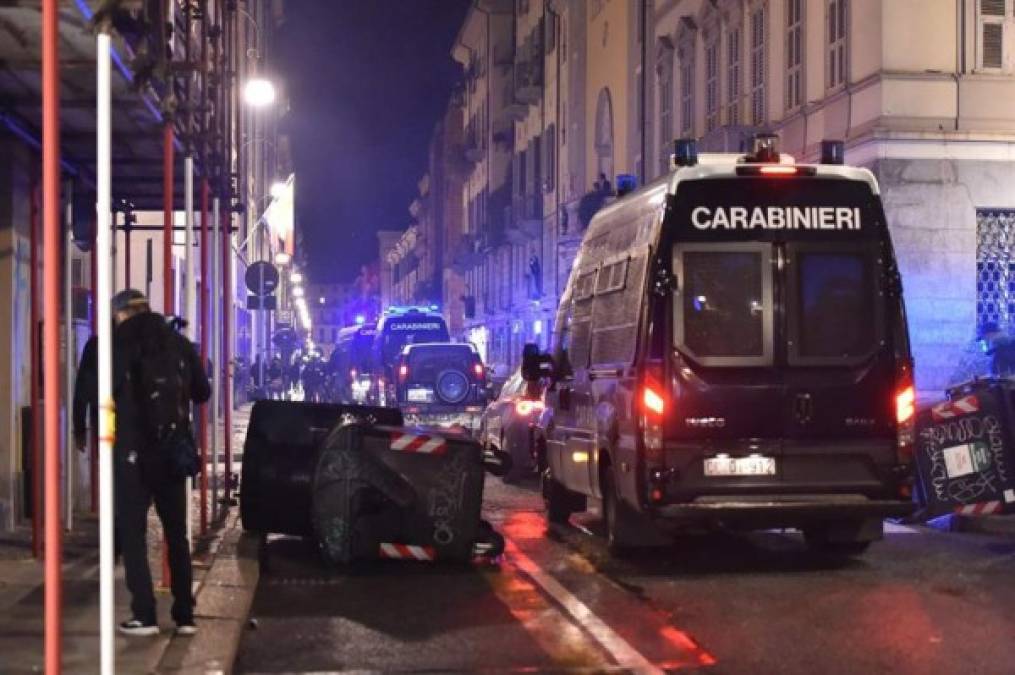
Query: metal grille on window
995,267
758,66
712,85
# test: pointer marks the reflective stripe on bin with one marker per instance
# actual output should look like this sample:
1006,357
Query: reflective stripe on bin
951,409
981,509
407,552
424,445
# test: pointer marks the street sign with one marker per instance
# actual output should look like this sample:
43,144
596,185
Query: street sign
269,302
261,278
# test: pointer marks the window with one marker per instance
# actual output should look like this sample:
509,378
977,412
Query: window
687,89
712,84
794,53
733,70
665,71
991,20
995,267
550,147
616,311
723,303
834,289
837,55
758,63
611,277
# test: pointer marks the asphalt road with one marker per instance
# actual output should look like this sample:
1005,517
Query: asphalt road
921,601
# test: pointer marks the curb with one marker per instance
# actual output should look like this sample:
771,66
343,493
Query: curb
224,598
997,525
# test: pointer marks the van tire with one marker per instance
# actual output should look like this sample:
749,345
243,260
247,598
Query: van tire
818,541
559,502
615,518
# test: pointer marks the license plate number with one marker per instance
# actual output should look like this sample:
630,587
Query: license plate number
740,466
419,395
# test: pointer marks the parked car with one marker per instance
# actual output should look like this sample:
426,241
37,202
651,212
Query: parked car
509,422
731,349
441,383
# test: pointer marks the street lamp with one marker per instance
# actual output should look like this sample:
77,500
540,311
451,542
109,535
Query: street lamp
259,92
282,258
296,278
277,189
297,291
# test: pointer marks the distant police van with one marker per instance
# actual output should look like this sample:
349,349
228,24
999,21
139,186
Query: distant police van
731,350
398,327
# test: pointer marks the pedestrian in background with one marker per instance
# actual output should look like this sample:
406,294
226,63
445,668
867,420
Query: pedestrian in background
156,374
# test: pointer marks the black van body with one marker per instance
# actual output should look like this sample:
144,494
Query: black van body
732,349
398,327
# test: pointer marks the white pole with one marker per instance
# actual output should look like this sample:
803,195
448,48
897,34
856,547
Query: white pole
68,372
216,350
189,295
103,294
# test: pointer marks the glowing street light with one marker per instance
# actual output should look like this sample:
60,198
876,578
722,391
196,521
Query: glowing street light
282,258
360,319
321,300
259,92
297,291
277,189
296,278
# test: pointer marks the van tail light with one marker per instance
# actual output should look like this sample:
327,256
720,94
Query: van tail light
477,369
403,371
653,403
905,417
526,406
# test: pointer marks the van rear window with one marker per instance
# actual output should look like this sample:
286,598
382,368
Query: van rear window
835,308
723,302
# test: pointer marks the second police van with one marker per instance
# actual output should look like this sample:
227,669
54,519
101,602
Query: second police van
732,350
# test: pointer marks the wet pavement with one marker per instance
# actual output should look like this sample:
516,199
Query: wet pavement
921,601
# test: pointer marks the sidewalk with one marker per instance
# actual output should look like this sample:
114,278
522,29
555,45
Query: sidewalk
225,578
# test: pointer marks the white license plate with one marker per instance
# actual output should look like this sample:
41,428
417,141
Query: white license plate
418,395
740,466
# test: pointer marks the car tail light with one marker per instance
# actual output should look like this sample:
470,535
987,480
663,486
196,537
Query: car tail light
403,371
477,368
526,407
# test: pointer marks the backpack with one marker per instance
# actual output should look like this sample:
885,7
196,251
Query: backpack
161,376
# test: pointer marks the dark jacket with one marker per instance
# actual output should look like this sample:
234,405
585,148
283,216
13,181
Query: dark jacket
86,390
127,339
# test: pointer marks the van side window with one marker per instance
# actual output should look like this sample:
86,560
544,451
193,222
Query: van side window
617,308
581,318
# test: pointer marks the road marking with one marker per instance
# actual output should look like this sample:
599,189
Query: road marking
617,647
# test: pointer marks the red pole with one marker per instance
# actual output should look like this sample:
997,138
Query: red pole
126,250
227,398
36,431
94,463
51,267
202,410
167,218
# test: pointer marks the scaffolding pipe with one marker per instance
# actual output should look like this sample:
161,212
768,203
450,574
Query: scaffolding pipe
70,359
33,317
227,355
51,245
104,324
189,290
216,382
168,150
202,409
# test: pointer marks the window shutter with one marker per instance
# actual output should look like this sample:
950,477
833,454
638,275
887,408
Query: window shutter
992,7
991,36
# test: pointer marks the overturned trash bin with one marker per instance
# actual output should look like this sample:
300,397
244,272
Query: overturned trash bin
280,455
401,493
965,453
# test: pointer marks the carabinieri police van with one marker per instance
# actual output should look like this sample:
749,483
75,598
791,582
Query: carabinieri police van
732,350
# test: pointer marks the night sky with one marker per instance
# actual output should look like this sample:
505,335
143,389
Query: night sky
368,80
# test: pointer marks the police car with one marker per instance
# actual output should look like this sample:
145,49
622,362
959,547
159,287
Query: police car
732,350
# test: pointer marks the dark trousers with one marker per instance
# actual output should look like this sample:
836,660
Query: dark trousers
136,490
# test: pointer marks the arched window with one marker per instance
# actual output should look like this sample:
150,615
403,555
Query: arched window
604,134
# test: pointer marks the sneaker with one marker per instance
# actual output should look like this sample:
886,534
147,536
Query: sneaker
136,627
186,629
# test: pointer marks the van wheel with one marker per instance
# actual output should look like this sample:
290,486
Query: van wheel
560,502
818,541
614,518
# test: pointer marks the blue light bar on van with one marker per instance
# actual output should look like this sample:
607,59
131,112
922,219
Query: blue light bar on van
685,152
833,152
396,310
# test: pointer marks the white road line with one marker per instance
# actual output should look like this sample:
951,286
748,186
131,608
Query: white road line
893,528
623,653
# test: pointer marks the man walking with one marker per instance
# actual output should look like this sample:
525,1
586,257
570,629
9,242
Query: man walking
156,374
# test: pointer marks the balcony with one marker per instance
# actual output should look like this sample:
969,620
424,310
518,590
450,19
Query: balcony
465,254
524,219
